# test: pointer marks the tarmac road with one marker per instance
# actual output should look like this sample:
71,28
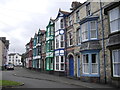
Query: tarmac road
34,83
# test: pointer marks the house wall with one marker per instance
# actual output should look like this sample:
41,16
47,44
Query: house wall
1,52
95,11
15,59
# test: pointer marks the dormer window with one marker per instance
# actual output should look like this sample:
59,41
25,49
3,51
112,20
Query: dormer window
88,9
77,16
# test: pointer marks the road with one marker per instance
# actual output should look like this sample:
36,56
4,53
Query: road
33,82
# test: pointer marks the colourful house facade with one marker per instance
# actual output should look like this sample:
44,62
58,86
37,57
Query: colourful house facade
50,46
59,63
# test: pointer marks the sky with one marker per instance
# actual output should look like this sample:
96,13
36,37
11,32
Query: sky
21,19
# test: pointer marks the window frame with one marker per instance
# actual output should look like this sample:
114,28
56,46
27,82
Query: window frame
82,32
78,36
57,41
114,62
61,23
62,41
77,16
116,19
88,31
70,38
90,63
88,9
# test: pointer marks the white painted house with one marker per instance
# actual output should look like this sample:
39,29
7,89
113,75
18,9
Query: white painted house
14,58
60,41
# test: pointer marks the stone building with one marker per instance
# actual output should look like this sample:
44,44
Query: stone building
4,46
88,56
112,12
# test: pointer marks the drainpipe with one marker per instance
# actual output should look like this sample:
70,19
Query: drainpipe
65,36
103,44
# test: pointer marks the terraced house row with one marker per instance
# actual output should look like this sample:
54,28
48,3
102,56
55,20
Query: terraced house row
83,43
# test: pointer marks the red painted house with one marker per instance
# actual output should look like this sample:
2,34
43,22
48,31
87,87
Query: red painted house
30,53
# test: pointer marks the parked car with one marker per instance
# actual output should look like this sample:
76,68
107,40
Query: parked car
10,67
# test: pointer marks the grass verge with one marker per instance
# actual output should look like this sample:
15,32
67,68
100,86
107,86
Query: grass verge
9,83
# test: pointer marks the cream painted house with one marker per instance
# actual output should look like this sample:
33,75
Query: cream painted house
4,45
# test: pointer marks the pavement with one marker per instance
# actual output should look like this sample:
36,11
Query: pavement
22,72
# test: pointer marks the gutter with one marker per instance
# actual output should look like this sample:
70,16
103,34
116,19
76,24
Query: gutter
103,44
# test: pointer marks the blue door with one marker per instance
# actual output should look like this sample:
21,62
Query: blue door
71,66
78,66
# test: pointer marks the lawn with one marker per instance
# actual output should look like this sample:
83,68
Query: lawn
9,83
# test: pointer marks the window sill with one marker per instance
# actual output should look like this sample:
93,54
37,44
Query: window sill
116,78
91,75
89,40
113,33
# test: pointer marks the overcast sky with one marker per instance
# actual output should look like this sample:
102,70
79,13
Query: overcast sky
20,19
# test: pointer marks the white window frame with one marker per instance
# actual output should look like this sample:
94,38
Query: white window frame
78,37
115,62
83,32
90,63
62,40
86,31
57,42
52,30
115,19
85,64
94,63
57,63
69,39
62,62
93,29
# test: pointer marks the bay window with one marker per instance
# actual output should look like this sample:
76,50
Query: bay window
85,63
84,31
89,30
90,63
94,63
93,31
78,40
116,62
114,17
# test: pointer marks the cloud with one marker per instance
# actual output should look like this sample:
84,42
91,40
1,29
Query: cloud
20,19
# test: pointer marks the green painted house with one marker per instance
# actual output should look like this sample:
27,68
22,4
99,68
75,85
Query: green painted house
50,46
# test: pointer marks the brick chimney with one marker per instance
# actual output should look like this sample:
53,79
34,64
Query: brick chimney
75,5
